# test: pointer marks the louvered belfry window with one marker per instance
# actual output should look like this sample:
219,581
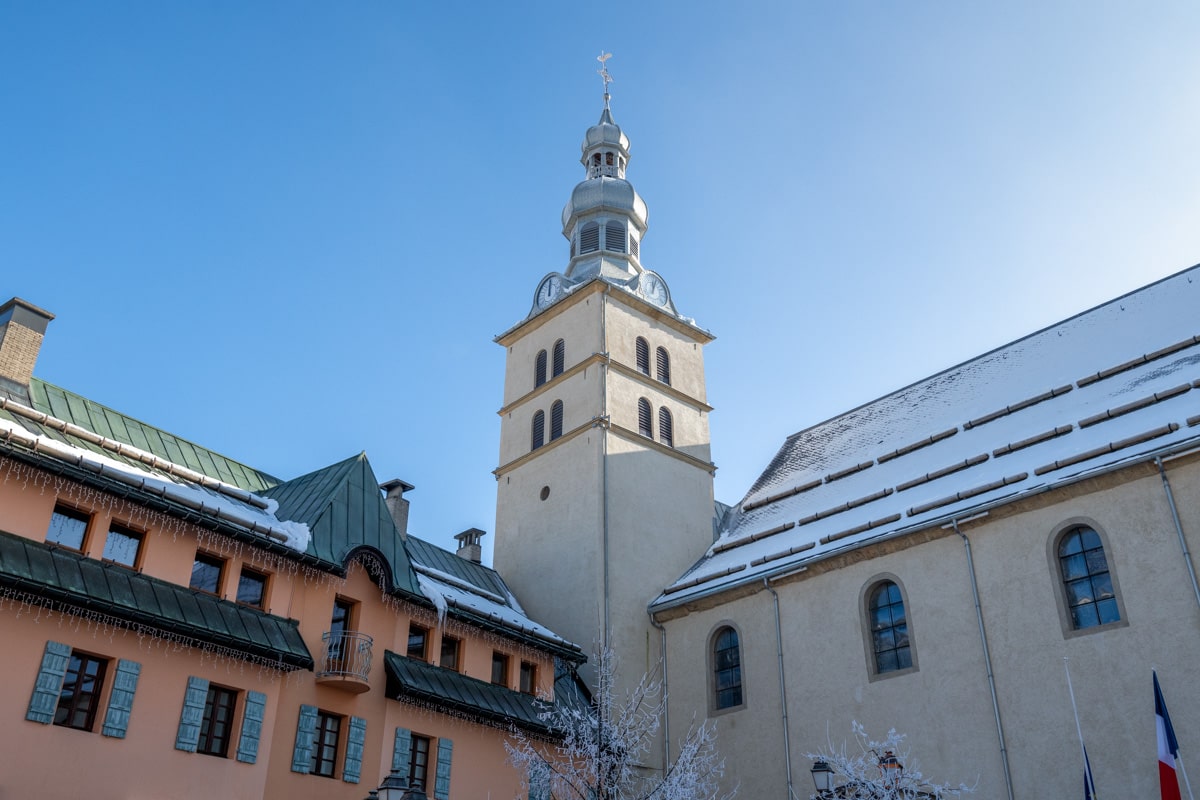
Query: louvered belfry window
644,418
538,433
614,237
666,433
664,365
589,238
560,358
539,369
643,355
556,420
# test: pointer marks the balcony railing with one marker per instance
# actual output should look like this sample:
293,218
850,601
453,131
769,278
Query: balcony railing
346,660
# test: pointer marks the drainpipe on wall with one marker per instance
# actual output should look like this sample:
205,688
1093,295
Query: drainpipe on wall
787,746
606,634
1187,557
987,658
666,742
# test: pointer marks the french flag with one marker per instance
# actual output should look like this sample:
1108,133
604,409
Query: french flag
1168,747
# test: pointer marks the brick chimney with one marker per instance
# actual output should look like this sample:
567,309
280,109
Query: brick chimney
468,544
22,328
393,497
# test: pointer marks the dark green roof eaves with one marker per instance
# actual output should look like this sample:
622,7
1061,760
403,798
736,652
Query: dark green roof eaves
78,410
75,580
453,691
165,505
430,555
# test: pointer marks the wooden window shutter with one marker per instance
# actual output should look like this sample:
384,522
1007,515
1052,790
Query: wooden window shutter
441,785
560,357
666,433
192,715
305,726
556,420
643,355
49,683
252,722
664,365
537,434
120,702
539,369
644,420
355,741
402,750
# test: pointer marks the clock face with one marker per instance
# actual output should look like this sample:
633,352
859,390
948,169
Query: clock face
549,290
654,289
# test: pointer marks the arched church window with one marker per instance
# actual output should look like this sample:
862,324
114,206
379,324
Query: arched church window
539,369
608,159
556,420
589,238
537,434
596,159
666,432
727,669
560,358
645,421
642,350
1087,581
889,628
663,360
614,237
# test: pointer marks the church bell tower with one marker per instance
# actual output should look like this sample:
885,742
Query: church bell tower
605,477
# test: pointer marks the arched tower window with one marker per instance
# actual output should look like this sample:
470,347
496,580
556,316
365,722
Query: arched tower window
1087,581
642,350
727,669
645,422
539,369
666,433
608,159
556,419
889,628
663,360
614,236
589,238
560,358
537,434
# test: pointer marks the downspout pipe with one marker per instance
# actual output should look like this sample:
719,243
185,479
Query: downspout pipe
606,634
666,695
987,658
787,746
1187,556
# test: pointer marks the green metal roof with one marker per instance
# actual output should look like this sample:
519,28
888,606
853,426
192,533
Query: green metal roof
430,555
102,420
485,702
76,580
344,509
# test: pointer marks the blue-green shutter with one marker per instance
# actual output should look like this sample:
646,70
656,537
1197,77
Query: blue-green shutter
252,720
307,725
120,702
192,715
402,750
441,786
354,749
48,685
539,781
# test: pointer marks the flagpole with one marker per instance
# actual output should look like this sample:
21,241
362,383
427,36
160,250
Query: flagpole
1183,772
1087,770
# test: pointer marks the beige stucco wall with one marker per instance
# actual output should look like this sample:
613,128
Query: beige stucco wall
944,705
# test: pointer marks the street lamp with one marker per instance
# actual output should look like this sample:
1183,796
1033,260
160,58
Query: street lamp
890,768
822,775
395,787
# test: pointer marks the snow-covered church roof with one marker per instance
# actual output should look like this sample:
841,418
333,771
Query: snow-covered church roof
1107,387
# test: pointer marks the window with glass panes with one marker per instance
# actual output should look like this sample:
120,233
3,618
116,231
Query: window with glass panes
418,640
217,721
206,573
528,677
252,588
727,669
449,658
67,528
418,762
889,629
122,546
1088,583
80,694
325,744
500,669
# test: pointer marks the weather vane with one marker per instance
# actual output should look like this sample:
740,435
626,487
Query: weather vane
603,73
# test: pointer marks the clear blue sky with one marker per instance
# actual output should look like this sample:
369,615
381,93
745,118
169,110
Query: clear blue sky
289,231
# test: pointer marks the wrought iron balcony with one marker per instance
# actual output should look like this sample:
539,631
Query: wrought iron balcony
345,660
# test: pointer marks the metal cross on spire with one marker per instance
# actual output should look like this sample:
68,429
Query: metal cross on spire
603,73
